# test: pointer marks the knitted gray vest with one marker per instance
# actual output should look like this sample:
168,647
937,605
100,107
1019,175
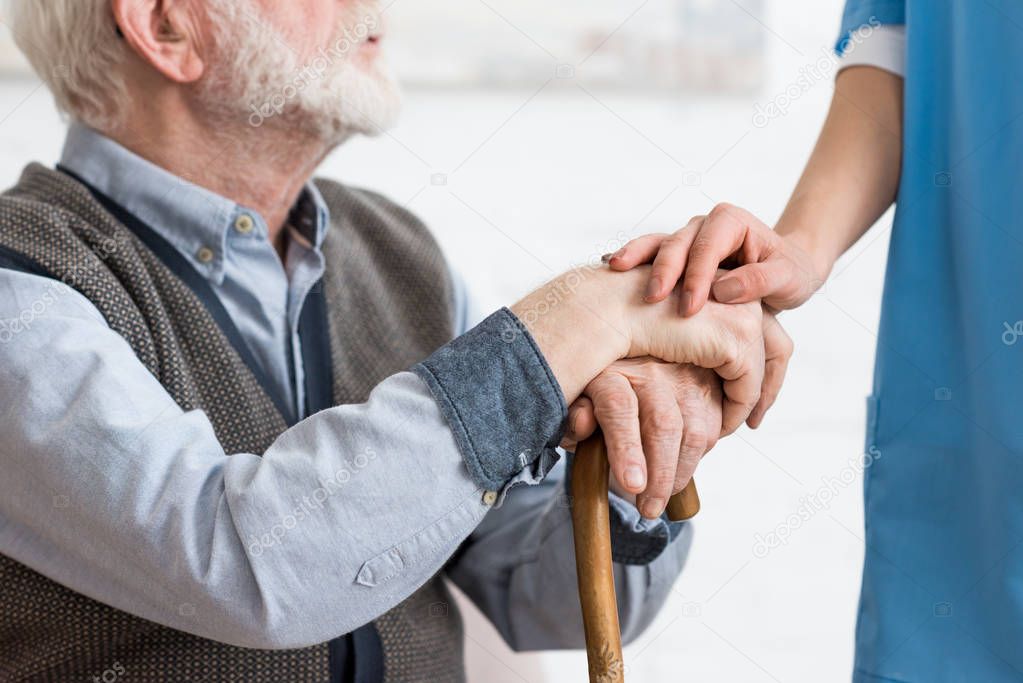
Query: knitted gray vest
387,301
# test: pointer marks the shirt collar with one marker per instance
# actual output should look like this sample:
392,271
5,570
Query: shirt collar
194,220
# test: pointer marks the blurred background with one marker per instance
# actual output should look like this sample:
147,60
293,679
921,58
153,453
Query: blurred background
537,136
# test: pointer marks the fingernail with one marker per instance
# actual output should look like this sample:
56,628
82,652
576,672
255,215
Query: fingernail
607,258
634,478
727,290
685,301
653,507
573,419
653,288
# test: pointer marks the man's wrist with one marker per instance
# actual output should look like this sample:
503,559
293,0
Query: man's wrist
579,322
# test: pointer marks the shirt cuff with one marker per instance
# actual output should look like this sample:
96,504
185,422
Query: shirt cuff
634,538
498,396
884,48
862,17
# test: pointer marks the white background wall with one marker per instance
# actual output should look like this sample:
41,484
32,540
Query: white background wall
539,179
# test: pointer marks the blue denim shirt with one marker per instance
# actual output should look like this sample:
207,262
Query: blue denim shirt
112,490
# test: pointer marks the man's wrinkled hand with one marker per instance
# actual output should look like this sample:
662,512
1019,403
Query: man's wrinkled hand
584,321
658,420
727,338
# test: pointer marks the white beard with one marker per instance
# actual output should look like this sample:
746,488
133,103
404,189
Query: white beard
331,96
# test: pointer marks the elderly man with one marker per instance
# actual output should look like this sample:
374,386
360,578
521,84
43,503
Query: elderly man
217,465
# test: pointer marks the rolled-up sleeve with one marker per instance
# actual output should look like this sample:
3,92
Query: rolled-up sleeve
498,395
518,566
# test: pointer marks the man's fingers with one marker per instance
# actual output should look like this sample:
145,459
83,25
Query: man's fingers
637,251
774,375
617,410
661,431
670,262
695,437
754,281
743,381
741,396
724,232
777,352
581,423
728,340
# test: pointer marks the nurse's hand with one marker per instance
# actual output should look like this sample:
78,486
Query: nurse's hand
769,267
658,420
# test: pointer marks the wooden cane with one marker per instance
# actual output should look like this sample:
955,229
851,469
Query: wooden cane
592,535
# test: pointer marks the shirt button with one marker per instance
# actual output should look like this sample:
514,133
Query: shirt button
205,254
489,497
244,224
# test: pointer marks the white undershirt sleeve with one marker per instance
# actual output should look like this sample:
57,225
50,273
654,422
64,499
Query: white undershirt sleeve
884,47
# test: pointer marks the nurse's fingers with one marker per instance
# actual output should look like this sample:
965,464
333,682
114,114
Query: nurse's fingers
756,281
670,261
636,251
727,230
667,252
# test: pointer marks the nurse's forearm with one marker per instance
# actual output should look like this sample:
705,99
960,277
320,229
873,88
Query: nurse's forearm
853,174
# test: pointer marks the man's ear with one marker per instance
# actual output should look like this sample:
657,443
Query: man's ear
164,33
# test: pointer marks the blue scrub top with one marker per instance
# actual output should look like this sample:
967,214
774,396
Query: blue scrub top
942,595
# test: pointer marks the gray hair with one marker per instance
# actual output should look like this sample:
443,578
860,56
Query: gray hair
74,48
